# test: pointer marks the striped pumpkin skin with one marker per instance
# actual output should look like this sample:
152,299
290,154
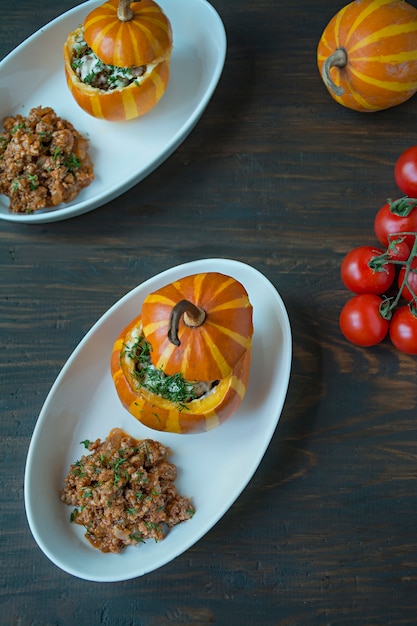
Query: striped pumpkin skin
140,41
162,415
119,104
380,39
146,39
207,352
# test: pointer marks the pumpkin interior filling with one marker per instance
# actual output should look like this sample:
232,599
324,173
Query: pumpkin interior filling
174,388
94,72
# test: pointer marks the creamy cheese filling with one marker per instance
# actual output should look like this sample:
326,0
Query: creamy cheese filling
92,71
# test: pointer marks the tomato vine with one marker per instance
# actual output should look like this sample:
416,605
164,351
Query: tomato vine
382,306
389,304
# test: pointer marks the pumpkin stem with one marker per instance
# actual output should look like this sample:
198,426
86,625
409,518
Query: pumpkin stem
193,316
337,59
124,12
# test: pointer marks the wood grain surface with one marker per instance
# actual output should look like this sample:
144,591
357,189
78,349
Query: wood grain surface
279,176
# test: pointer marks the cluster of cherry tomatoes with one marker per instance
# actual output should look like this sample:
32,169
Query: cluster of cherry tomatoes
384,277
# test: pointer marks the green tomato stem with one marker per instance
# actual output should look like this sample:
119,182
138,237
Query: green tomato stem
402,206
389,304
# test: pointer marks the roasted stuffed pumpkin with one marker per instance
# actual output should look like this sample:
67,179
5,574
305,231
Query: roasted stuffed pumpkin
117,64
183,364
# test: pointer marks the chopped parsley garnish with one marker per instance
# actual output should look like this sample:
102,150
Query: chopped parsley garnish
33,181
174,388
70,161
131,511
17,127
78,469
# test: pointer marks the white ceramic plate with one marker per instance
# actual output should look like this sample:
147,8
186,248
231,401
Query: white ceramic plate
123,152
213,467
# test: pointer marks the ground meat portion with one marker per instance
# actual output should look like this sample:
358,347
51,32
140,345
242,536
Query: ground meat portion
44,161
124,492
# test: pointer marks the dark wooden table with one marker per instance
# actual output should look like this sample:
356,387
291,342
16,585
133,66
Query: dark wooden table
278,176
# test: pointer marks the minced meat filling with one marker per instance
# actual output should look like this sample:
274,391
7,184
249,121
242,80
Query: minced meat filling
92,71
43,161
124,492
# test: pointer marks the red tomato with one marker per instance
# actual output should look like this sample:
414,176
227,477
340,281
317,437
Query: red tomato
405,172
411,280
388,221
398,249
403,330
361,321
359,277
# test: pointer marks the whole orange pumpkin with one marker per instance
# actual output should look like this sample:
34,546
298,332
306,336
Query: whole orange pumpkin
193,335
367,54
117,64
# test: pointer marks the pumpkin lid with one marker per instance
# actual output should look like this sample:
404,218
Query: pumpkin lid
128,34
199,326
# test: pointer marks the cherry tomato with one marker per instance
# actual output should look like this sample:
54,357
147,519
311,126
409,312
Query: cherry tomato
398,249
405,172
387,221
359,277
403,330
361,322
411,280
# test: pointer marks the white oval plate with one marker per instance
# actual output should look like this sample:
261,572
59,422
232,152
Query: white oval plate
213,467
123,152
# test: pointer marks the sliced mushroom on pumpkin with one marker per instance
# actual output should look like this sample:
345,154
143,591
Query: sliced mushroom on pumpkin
183,364
117,64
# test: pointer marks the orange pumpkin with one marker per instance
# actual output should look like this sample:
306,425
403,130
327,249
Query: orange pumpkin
132,36
367,54
199,328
